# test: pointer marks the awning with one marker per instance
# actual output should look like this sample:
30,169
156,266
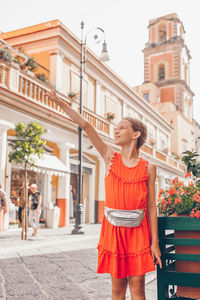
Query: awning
48,164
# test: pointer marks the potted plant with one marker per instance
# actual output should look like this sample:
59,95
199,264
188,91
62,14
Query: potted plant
175,155
30,66
42,77
152,141
16,61
182,201
73,95
110,116
165,150
5,55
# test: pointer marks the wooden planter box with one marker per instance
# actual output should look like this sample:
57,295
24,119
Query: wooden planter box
180,244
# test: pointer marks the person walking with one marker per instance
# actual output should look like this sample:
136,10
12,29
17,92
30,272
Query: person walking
34,208
126,250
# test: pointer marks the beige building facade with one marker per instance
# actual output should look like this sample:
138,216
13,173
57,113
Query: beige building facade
22,98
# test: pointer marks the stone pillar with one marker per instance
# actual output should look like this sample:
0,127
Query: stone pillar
125,111
4,126
64,181
98,98
47,201
56,64
3,158
92,196
101,190
158,138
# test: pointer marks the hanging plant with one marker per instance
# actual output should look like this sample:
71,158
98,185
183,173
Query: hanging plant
42,77
31,64
110,116
5,55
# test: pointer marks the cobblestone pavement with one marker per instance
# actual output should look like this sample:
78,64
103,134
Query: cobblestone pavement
56,265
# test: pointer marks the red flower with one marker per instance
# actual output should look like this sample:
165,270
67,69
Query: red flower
172,191
188,174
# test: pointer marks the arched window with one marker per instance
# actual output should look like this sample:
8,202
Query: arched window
162,34
161,72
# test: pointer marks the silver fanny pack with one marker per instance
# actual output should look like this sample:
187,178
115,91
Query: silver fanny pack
124,218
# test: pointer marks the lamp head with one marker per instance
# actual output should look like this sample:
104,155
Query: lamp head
104,54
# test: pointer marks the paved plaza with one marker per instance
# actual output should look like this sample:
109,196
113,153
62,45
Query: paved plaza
55,265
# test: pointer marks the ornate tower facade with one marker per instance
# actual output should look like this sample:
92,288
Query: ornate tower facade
167,76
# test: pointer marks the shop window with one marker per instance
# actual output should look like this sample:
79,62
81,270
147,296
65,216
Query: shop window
161,72
146,96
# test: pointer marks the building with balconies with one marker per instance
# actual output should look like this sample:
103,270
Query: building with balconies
22,98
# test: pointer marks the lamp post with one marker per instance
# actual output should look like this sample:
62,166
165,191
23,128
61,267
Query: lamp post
104,57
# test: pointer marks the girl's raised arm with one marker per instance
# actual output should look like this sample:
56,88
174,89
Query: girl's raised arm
105,151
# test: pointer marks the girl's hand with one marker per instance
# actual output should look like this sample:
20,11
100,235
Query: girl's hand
156,254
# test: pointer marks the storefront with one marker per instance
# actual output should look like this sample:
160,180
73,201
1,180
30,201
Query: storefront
45,174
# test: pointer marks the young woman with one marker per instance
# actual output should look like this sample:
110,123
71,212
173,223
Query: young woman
127,253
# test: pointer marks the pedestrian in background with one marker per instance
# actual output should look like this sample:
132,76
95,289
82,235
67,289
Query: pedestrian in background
127,253
3,207
34,208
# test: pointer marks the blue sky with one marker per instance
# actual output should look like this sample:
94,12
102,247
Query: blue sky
125,23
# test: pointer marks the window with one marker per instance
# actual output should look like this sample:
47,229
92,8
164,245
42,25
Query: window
161,72
146,96
162,33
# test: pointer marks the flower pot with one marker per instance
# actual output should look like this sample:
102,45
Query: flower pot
29,72
189,266
73,98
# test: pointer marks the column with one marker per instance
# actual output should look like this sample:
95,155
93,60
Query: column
5,173
64,184
158,138
3,158
92,196
56,61
125,111
98,98
101,190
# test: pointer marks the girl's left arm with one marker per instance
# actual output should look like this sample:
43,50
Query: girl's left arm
152,214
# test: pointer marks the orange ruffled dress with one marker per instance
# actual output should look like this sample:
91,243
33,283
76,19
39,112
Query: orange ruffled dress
125,251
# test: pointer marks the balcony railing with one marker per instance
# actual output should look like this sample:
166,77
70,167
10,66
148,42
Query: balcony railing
34,90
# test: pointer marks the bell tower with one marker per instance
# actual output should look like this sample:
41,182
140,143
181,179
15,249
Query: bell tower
167,62
166,83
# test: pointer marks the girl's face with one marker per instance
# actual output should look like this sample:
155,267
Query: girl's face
124,133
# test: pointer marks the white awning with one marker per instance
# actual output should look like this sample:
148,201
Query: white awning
48,164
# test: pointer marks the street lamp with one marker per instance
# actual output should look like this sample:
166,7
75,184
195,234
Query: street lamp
103,57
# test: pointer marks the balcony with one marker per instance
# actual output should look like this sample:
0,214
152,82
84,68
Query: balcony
32,90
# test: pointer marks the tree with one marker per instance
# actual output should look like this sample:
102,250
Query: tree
27,145
193,165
